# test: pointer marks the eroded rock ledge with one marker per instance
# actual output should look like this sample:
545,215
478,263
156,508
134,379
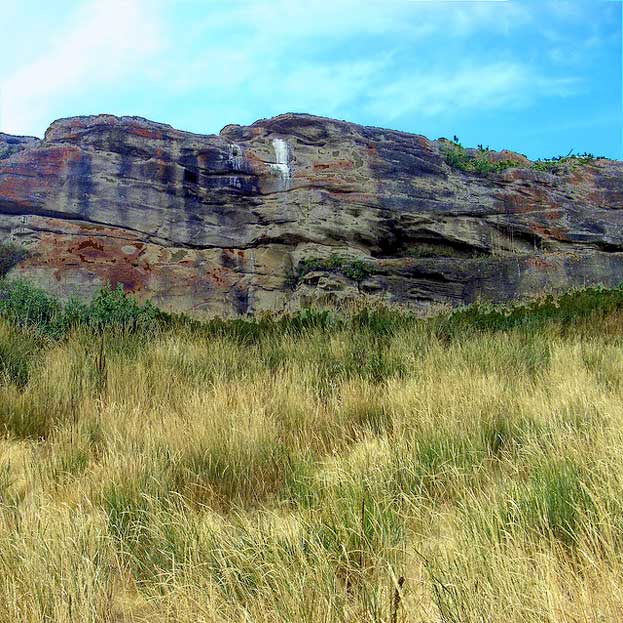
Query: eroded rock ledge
295,210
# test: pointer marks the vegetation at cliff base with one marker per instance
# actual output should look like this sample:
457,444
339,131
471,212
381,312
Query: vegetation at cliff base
30,307
369,465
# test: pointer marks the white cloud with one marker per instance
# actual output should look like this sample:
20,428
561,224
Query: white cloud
286,19
207,59
278,55
330,88
486,86
105,40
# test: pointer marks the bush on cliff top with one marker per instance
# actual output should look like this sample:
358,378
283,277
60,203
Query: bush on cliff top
559,163
458,157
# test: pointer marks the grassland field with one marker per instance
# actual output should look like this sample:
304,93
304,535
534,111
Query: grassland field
365,466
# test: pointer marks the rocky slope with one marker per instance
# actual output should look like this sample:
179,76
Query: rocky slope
296,210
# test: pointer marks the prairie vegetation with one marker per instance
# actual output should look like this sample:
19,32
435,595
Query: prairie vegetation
368,467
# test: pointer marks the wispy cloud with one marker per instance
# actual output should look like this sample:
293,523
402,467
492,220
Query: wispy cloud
308,56
105,41
470,87
419,65
285,19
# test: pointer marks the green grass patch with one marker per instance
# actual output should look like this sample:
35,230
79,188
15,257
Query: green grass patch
478,162
568,310
554,502
559,164
129,324
19,351
458,157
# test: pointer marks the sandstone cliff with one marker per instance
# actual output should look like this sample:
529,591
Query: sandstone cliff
295,210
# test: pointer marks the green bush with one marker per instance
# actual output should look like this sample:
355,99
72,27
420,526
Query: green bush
113,307
566,309
28,306
457,157
355,269
561,163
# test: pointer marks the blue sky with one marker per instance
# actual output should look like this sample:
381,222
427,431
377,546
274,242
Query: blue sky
541,77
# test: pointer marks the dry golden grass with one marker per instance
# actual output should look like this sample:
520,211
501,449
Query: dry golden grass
298,477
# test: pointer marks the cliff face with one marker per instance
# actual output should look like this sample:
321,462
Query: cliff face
256,218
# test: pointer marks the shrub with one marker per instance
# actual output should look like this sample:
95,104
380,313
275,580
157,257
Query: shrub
355,269
558,164
28,306
113,307
567,309
457,157
25,305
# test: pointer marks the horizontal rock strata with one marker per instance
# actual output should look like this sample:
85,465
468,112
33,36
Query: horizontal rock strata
297,210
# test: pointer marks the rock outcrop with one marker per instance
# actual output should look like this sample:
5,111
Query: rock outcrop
297,210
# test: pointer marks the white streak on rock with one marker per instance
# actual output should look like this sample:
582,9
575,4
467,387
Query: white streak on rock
235,156
282,156
234,182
